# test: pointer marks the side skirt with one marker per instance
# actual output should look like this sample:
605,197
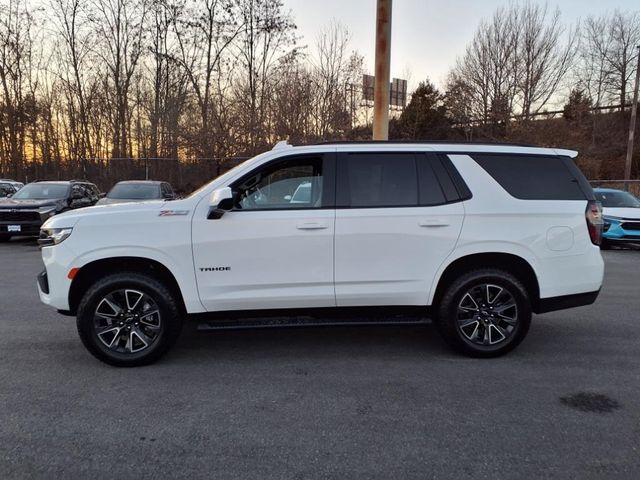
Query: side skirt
321,317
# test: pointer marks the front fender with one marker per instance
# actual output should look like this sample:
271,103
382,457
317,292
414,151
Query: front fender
181,270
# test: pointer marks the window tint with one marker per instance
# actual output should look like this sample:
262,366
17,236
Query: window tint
430,192
377,180
291,183
532,177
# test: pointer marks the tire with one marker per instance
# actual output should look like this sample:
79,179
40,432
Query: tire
117,334
466,325
4,238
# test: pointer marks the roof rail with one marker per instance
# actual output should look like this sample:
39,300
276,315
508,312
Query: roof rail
428,142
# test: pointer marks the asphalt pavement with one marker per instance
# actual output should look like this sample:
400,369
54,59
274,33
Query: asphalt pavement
334,402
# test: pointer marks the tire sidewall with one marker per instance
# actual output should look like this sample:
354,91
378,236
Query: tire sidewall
447,317
170,319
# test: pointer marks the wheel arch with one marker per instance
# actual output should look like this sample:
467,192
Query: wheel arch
91,271
512,263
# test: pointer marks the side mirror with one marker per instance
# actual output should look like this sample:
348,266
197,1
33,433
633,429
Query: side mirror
221,201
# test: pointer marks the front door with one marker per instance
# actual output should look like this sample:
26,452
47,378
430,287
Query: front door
274,249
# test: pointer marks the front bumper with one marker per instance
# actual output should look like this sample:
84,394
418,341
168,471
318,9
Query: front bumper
53,283
616,230
21,227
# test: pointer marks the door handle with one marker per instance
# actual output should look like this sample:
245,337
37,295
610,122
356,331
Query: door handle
433,222
311,226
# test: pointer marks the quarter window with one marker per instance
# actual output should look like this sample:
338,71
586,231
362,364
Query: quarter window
535,177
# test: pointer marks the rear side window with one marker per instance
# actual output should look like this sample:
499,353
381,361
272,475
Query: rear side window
535,177
377,180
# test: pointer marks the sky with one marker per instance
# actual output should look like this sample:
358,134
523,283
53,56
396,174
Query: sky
427,35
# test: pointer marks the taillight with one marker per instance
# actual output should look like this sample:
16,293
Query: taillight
595,221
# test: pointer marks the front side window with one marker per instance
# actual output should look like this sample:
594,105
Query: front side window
287,184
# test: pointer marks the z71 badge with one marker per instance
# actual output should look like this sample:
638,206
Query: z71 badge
173,213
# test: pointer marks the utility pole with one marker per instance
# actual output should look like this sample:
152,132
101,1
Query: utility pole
382,71
632,126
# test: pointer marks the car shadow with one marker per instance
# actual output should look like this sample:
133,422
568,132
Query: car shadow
294,342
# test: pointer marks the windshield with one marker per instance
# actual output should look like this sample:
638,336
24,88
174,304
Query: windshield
42,191
135,191
618,199
228,174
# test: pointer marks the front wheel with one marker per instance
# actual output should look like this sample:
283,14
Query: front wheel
128,319
484,313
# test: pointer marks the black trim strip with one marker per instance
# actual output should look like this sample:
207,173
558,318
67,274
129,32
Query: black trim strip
563,302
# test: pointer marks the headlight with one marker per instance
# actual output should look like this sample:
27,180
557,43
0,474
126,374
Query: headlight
53,236
47,211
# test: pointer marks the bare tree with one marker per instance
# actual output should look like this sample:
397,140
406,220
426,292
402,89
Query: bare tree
17,88
331,77
204,34
267,34
75,38
625,35
120,25
544,56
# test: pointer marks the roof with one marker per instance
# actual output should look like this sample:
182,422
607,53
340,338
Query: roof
601,189
444,147
62,182
140,182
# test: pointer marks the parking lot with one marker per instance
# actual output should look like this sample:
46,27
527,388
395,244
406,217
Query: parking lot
340,402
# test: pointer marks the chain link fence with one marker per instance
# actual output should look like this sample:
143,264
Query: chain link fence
185,176
632,186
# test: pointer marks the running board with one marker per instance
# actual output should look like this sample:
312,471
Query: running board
288,322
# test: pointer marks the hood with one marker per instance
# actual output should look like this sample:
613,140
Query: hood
633,213
71,217
113,201
17,204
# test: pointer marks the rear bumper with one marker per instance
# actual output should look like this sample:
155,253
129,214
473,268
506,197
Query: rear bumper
563,302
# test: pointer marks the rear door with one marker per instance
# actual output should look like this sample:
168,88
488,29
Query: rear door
398,216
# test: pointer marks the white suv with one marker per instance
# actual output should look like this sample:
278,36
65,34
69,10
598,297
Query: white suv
477,237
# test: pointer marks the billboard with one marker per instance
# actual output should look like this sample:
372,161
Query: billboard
397,91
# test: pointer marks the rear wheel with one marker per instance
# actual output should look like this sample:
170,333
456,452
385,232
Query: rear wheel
4,238
484,313
128,319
